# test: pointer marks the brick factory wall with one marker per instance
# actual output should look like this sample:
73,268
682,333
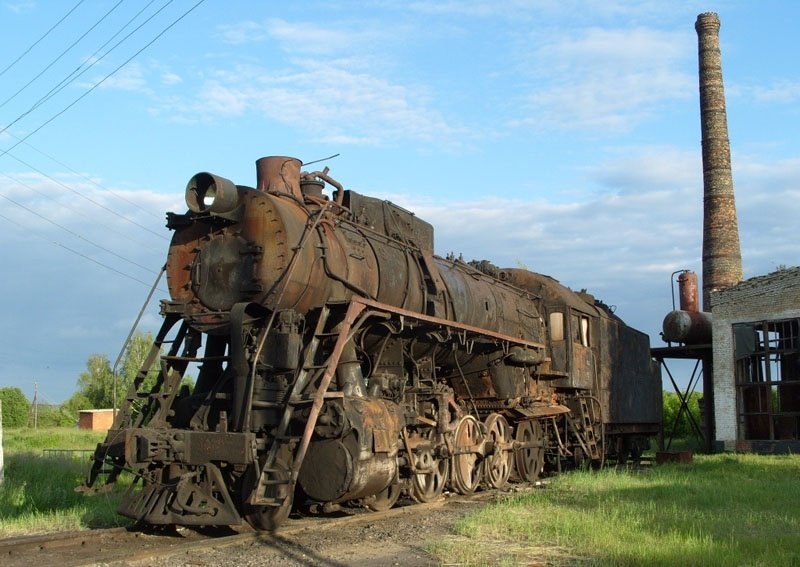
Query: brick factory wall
771,297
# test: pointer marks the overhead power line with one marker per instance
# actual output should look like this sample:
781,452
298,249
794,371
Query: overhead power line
60,55
92,59
69,79
35,43
82,196
159,215
104,79
68,207
89,179
81,254
23,139
75,234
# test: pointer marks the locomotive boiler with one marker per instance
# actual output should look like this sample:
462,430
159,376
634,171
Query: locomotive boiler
339,361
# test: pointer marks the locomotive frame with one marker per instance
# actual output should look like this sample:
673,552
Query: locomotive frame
342,362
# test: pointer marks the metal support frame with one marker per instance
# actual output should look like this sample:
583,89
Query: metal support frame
702,369
694,379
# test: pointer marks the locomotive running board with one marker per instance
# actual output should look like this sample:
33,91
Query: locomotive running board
464,330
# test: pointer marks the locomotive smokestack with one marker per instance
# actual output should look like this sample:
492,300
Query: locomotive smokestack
722,257
280,174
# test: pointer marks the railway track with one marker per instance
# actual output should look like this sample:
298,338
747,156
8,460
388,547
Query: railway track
121,546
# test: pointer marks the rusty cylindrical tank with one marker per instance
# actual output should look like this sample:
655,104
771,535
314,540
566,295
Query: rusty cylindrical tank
242,254
687,292
688,327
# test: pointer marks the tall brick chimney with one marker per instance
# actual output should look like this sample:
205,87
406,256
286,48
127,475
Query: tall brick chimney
722,257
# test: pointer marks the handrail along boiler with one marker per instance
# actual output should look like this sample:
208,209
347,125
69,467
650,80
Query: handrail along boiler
341,361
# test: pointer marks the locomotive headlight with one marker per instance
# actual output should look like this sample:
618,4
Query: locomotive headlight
209,192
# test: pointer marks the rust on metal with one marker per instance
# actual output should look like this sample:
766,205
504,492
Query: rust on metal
279,174
687,292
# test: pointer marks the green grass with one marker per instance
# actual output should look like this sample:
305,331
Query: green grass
26,440
38,494
720,510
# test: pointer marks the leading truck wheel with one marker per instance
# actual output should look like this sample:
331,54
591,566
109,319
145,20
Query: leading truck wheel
384,499
428,483
530,456
268,518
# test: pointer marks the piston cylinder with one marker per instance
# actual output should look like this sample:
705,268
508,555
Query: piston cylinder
360,462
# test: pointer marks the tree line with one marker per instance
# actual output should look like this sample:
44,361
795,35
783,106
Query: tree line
95,388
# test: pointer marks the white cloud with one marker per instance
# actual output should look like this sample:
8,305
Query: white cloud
632,169
243,32
169,78
20,7
783,92
305,38
342,105
132,77
609,79
308,37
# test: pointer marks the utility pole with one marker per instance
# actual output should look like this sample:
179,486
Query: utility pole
35,405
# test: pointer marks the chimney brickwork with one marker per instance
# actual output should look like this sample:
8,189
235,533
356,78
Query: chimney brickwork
722,258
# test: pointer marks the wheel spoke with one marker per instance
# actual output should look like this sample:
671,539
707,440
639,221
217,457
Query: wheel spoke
530,459
497,466
467,462
385,499
427,486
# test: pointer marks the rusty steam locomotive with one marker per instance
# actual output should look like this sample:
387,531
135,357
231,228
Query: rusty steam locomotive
340,361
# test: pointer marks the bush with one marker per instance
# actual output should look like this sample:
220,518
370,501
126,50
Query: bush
15,407
55,416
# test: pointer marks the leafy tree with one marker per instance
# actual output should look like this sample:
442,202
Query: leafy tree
134,358
96,385
55,416
683,427
77,402
15,407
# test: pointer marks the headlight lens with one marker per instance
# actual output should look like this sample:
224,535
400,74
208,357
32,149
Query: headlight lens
209,192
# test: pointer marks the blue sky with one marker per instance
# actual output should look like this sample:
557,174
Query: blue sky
561,135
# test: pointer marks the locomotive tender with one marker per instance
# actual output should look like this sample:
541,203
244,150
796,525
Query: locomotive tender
340,361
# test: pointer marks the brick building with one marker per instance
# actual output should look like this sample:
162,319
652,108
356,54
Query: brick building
756,350
96,419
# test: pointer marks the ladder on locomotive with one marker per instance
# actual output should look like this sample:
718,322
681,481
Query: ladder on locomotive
157,402
587,435
152,406
308,374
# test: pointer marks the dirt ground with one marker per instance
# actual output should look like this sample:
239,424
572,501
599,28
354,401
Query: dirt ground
399,540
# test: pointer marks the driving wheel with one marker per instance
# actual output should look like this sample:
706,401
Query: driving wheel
530,457
498,464
467,461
